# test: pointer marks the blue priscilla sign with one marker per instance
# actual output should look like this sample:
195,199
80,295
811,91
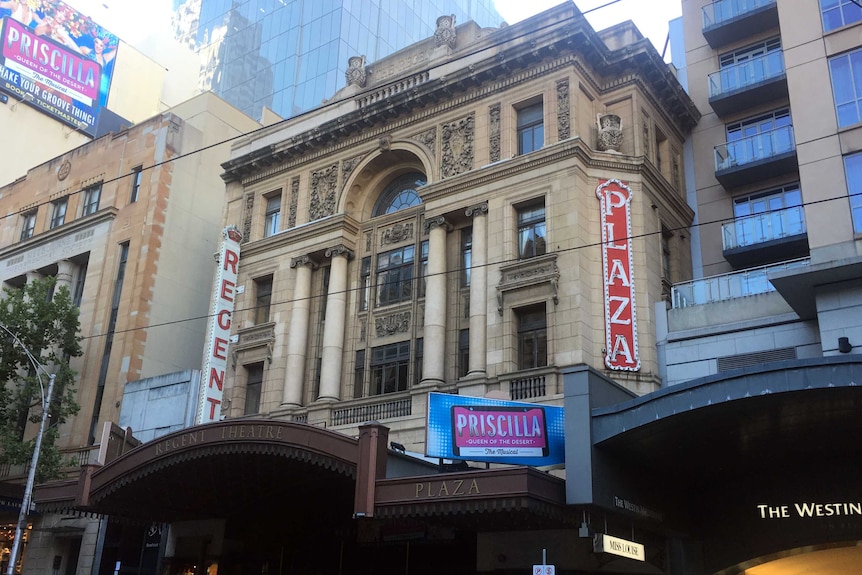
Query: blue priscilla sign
494,430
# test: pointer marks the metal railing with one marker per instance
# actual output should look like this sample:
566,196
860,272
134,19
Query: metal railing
765,227
747,73
722,11
383,408
754,148
729,286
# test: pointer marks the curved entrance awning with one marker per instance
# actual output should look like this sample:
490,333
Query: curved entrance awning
227,469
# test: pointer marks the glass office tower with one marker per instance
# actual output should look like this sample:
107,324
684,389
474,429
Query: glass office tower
290,55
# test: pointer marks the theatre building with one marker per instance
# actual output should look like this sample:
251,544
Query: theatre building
453,344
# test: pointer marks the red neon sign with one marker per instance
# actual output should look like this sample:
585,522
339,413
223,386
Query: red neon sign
621,334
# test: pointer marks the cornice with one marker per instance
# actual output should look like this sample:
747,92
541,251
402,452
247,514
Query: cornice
73,227
341,224
544,53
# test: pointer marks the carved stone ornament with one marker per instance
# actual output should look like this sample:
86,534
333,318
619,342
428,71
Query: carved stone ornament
646,137
347,166
303,261
529,273
436,222
294,200
494,132
563,121
445,32
64,170
477,210
674,171
397,233
323,187
428,138
392,324
458,139
355,74
339,250
246,222
385,143
610,132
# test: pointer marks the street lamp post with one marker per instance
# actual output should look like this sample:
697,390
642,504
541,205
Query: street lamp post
34,461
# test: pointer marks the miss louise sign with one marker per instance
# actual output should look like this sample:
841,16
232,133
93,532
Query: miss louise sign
621,334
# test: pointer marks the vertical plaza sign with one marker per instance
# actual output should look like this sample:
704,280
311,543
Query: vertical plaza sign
621,334
218,332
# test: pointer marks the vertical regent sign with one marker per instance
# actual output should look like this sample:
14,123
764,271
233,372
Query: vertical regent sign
218,332
621,334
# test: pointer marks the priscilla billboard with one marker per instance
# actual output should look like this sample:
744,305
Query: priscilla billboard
56,59
479,429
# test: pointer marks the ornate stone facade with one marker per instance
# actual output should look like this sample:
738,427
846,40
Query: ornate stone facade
494,132
294,201
610,132
445,34
392,324
323,188
247,217
397,233
355,74
458,147
564,129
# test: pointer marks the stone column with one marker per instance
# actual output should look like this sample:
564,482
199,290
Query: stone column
435,302
297,336
64,275
32,277
478,290
333,329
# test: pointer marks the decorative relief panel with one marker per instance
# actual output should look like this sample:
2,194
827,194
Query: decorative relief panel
528,273
392,324
294,200
356,74
246,222
445,32
397,233
323,187
610,132
428,138
494,132
646,136
347,166
563,120
457,144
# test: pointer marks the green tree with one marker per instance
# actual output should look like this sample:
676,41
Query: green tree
45,321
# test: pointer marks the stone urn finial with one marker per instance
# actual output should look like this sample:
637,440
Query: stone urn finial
610,132
355,73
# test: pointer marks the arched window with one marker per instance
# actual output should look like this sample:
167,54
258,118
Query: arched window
400,194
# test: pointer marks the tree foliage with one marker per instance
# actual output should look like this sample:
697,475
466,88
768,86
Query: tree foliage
46,322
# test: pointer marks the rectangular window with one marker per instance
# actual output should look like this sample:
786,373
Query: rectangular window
58,212
359,374
253,385
389,367
531,230
262,299
532,337
463,352
531,128
91,199
365,283
853,172
78,287
417,361
29,226
423,264
666,235
466,255
136,183
838,13
273,215
846,71
395,276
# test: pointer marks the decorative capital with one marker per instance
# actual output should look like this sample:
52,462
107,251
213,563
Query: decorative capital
436,222
339,250
477,210
303,261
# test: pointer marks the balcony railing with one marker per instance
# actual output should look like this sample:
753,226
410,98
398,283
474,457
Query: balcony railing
722,11
746,74
754,148
374,409
760,228
729,286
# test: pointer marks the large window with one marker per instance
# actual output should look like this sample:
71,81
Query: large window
253,385
532,337
853,171
838,13
466,255
531,128
136,184
273,215
91,199
463,352
389,368
58,212
262,299
531,230
400,194
29,226
395,275
846,71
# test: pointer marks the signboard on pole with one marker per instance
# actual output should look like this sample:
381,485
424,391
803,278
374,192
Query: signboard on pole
544,570
218,332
